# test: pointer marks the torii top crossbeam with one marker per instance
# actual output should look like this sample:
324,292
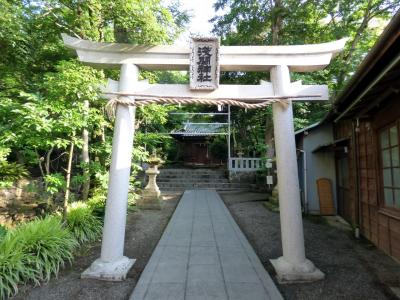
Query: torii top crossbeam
299,58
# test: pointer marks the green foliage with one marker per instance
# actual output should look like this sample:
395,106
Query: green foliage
288,22
33,252
11,172
47,98
218,148
3,232
85,226
97,203
54,183
12,267
132,198
46,245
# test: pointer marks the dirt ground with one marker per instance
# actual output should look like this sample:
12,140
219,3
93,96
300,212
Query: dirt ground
144,229
354,269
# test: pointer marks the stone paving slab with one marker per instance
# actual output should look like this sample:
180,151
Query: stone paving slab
203,254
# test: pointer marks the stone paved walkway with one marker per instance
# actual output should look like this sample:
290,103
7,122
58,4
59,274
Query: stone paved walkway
204,255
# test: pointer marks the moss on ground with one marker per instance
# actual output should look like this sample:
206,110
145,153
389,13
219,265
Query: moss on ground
271,206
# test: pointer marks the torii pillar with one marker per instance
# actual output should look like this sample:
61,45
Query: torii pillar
112,264
293,265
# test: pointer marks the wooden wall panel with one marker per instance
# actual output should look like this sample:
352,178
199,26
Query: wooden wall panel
394,244
373,213
383,238
374,231
381,226
394,226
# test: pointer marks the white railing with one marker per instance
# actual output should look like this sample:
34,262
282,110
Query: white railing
246,164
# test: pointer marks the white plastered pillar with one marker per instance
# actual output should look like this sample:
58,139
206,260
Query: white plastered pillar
293,265
112,264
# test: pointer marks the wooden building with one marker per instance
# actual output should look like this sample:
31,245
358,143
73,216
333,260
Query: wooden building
365,122
195,141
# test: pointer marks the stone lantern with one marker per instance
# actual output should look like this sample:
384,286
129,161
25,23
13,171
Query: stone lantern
151,195
240,152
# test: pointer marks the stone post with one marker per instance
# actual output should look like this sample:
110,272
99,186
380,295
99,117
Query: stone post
113,265
293,265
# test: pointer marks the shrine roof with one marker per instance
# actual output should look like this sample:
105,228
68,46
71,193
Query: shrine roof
200,129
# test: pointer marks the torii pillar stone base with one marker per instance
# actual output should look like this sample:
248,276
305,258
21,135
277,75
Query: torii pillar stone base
292,267
109,271
296,273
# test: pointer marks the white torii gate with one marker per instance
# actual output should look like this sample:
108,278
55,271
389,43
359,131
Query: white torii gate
293,266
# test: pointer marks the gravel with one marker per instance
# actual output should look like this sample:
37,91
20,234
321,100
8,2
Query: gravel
354,269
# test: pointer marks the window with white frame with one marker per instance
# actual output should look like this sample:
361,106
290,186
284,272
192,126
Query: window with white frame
390,165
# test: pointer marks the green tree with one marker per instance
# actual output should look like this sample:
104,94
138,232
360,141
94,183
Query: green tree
50,105
288,22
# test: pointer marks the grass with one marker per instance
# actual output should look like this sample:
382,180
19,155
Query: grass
271,206
12,268
33,252
85,226
45,244
3,232
97,205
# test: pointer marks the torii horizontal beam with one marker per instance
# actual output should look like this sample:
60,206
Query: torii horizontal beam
299,58
225,91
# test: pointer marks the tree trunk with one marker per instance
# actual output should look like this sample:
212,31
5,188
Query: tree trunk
47,163
269,137
120,34
233,153
68,180
277,22
276,28
85,157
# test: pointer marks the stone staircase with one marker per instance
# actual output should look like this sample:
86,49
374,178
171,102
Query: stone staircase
184,179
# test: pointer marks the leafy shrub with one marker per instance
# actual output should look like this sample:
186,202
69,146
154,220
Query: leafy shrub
46,245
12,267
219,148
98,205
54,183
82,223
11,172
33,252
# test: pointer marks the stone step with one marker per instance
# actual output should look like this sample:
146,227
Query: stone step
192,182
191,178
192,175
175,189
193,171
163,185
211,177
184,179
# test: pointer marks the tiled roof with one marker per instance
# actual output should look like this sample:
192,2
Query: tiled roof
200,129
